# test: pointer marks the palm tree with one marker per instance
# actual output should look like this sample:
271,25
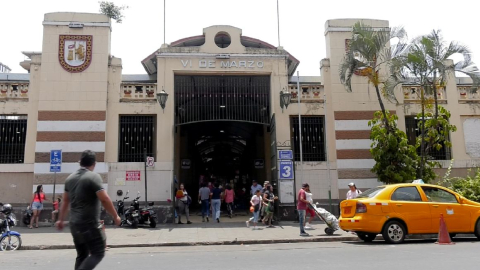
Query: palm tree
425,63
369,51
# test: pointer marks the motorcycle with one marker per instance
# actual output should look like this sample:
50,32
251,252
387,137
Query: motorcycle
121,211
134,215
27,217
9,240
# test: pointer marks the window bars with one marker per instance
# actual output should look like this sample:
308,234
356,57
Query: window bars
210,98
13,133
313,138
413,131
136,134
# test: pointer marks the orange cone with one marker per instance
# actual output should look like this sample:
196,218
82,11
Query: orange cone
443,235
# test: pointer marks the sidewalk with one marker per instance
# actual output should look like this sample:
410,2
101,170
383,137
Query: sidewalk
224,233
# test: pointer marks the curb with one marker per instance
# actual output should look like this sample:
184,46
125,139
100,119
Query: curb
214,243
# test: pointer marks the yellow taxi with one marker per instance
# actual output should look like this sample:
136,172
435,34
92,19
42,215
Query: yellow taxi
397,210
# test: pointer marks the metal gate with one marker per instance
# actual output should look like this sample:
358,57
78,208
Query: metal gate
230,98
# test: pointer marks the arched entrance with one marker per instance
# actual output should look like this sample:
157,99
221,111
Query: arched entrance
222,130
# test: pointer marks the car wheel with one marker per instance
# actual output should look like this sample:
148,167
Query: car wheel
394,232
367,237
477,229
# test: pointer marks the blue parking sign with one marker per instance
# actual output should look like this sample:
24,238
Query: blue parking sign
55,160
285,170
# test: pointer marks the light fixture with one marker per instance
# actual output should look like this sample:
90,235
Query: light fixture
162,99
222,106
285,98
222,131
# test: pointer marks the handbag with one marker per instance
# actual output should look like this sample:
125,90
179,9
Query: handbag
252,209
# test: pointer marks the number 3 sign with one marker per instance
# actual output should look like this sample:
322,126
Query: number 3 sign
286,170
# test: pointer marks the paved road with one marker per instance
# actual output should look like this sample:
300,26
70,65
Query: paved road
348,255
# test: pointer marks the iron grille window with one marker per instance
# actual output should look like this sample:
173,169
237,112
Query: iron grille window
136,134
313,138
13,133
209,98
413,131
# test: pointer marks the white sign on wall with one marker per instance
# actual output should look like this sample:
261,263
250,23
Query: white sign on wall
286,191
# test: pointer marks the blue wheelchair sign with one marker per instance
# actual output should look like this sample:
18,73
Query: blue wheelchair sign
285,171
55,160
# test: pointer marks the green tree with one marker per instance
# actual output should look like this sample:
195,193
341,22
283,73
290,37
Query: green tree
113,11
369,51
396,160
468,187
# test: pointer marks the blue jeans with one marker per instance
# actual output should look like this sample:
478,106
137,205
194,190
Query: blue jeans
205,208
301,216
216,207
255,216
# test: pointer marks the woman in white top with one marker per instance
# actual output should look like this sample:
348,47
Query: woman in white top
353,192
255,202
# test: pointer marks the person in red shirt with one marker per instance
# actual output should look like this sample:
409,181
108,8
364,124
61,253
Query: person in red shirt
55,210
302,205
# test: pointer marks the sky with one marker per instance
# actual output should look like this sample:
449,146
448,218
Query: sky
302,24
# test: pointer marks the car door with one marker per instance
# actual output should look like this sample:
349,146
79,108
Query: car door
443,202
408,204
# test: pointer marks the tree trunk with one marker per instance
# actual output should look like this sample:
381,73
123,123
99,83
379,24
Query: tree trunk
422,135
435,94
382,107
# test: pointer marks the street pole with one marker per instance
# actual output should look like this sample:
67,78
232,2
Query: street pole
326,151
145,164
54,184
300,127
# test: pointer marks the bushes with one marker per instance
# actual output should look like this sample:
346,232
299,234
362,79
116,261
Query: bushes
468,187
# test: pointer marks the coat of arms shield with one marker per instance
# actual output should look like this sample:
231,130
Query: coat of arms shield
75,52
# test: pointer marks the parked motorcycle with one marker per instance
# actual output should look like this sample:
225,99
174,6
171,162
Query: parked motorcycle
9,240
146,215
121,210
27,217
134,215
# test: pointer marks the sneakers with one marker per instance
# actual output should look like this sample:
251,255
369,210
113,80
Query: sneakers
308,227
189,222
218,220
248,224
304,234
208,220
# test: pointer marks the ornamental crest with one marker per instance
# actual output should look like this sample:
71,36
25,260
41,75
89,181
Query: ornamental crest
75,52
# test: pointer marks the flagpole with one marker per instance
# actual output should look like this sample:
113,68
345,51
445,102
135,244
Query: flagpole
164,21
278,23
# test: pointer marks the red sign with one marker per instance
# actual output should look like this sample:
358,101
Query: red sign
132,176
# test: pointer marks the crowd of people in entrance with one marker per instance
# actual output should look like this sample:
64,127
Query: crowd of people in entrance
213,197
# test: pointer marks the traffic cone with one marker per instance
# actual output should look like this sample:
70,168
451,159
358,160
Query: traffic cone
443,235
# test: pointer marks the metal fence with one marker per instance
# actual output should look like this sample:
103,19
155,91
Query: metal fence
136,134
313,138
210,98
13,133
413,131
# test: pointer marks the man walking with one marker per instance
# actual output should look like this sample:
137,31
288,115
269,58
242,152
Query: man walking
83,194
204,198
302,208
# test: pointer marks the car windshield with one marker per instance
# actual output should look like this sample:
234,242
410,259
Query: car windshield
371,192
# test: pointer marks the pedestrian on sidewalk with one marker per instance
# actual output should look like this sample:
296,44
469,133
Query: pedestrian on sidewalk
269,202
204,199
353,192
83,194
37,205
183,203
255,202
309,212
216,201
302,207
229,198
56,204
255,186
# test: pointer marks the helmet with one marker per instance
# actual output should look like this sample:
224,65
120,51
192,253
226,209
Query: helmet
7,209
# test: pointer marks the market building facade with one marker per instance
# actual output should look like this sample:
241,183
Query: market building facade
209,107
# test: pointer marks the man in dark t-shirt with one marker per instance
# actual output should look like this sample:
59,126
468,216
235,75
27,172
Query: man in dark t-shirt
83,194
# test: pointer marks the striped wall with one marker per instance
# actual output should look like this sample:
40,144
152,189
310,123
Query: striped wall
352,139
72,132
